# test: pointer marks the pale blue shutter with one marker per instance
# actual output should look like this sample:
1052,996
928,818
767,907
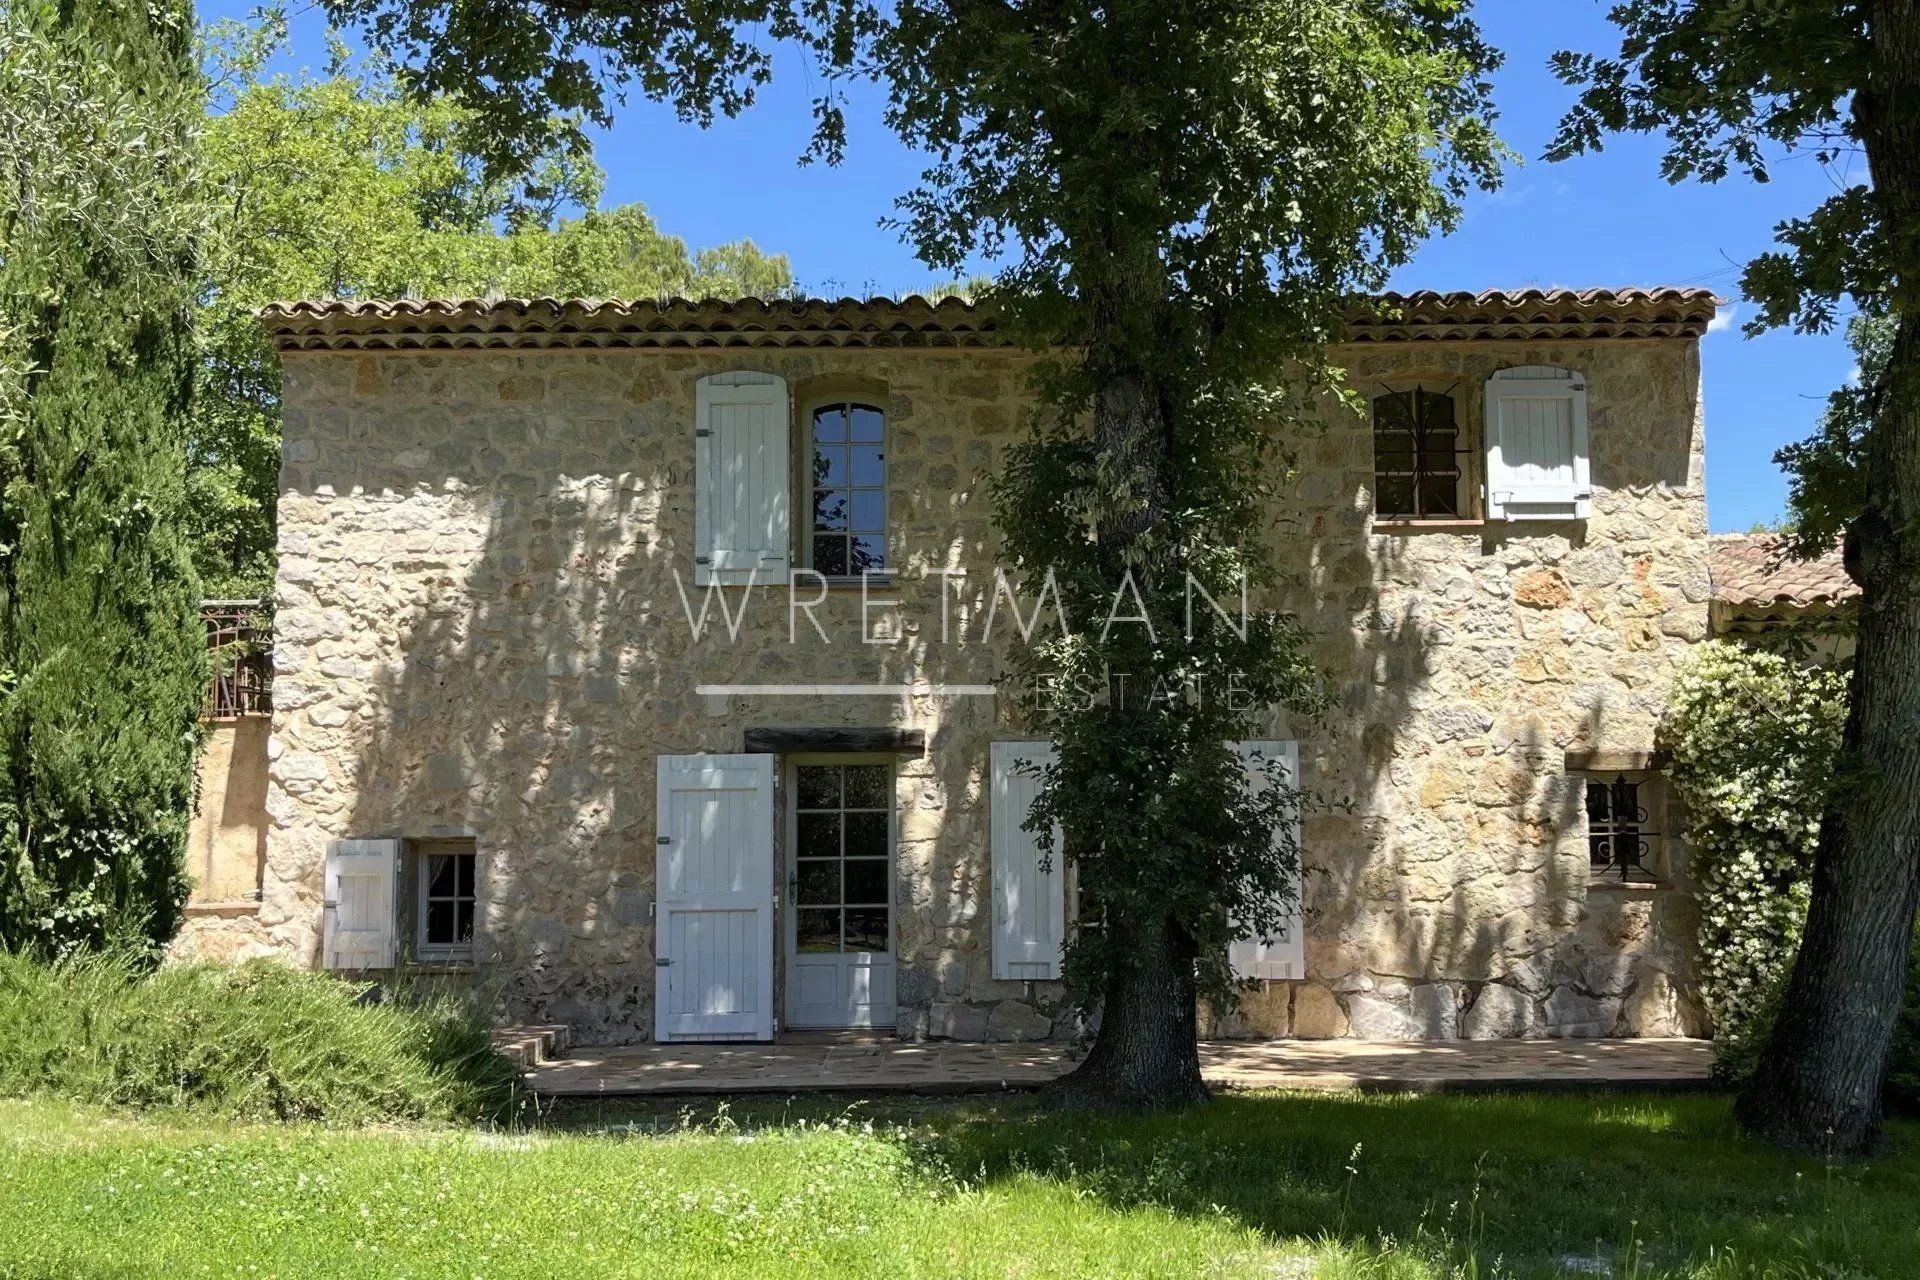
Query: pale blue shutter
741,479
358,923
1537,467
1029,901
1283,958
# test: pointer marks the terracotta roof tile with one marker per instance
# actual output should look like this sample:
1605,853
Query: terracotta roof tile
455,323
1753,571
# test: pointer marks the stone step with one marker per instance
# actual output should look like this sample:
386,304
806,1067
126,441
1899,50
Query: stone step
529,1046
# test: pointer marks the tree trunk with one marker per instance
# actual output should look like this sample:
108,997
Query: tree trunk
1820,1077
1146,1052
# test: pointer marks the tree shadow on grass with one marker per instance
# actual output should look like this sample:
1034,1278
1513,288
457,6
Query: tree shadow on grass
1539,1184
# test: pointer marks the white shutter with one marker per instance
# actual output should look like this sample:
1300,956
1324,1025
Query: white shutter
713,879
1537,445
741,479
1284,958
1029,902
358,913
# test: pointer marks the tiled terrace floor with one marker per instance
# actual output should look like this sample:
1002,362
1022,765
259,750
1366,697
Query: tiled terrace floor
883,1066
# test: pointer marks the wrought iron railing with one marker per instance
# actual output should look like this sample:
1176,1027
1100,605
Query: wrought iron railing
240,649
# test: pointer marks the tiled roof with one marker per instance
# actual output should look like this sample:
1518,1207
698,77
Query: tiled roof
1753,571
439,324
1428,316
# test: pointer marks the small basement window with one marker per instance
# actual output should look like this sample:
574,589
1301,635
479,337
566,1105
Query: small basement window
1625,842
446,894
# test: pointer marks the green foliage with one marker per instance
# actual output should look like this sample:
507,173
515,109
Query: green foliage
343,188
262,1041
1827,487
1753,738
101,656
1726,81
1186,197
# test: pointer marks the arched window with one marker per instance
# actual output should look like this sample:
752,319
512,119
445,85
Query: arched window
846,486
1417,456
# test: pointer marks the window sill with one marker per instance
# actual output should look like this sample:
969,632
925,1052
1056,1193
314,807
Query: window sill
855,583
1630,887
440,964
1390,527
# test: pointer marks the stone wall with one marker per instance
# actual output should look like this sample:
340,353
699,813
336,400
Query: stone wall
479,633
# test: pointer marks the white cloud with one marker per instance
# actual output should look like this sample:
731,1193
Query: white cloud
1723,318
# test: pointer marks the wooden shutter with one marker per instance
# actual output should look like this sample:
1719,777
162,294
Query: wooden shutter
1029,901
359,925
1537,445
713,876
1283,958
741,479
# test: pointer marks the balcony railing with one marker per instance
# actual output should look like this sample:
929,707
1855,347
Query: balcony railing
240,648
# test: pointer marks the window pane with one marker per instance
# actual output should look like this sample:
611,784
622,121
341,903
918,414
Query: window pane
867,881
830,509
1439,496
1393,495
818,786
1392,413
440,924
868,465
1436,411
442,880
817,929
868,423
465,864
819,883
1393,451
867,787
1599,851
866,929
830,423
819,835
866,554
867,835
830,555
463,922
1597,808
829,466
869,511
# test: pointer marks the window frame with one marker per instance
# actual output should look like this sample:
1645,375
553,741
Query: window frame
1469,450
422,852
791,805
1652,832
847,400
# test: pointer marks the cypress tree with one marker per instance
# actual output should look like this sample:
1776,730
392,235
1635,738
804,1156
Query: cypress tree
101,652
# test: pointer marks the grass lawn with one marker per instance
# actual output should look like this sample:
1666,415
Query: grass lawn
1270,1185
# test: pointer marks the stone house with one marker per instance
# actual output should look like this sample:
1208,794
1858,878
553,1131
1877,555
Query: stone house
635,666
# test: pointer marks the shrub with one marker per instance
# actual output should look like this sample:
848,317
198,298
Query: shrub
259,1042
1752,737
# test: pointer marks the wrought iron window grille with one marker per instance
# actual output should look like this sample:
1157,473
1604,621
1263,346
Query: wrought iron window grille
239,659
1620,833
1418,447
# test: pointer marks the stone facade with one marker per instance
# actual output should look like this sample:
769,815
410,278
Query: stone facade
479,633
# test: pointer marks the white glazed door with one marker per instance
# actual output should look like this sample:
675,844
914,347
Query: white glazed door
839,932
713,941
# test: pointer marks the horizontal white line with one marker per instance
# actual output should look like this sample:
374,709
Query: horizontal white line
850,690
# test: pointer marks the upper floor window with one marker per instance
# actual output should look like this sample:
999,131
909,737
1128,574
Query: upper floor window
1418,456
847,490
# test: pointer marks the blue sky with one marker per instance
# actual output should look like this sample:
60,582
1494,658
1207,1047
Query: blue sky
1599,220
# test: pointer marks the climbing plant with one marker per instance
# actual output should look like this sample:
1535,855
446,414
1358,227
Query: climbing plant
1753,736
